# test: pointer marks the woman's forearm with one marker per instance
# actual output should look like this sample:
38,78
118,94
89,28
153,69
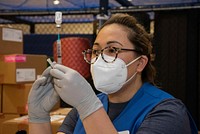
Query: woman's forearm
40,128
99,123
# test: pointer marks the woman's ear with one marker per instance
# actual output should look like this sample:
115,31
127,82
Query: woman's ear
142,63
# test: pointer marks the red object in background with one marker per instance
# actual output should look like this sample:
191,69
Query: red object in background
72,56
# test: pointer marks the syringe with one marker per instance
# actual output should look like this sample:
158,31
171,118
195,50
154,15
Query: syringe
58,20
59,50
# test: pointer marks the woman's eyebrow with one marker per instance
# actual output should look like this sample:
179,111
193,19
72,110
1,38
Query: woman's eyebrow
95,43
109,42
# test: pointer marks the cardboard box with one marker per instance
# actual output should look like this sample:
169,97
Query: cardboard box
61,111
5,117
11,40
15,97
21,68
14,125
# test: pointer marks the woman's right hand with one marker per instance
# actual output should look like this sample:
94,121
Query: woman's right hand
42,97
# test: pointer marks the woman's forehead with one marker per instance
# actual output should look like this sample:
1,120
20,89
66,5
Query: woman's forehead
112,33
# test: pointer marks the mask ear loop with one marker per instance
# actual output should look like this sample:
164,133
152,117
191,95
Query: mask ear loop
133,74
129,79
133,61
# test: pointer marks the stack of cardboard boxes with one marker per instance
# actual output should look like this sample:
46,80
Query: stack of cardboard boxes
20,124
18,71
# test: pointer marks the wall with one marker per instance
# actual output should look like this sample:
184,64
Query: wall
177,41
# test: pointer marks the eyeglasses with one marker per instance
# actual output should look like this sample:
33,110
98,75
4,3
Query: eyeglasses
91,55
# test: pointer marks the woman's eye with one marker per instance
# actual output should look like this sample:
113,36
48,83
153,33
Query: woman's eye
96,52
111,50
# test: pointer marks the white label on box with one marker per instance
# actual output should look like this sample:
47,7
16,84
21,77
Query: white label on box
25,117
24,75
9,34
61,121
57,117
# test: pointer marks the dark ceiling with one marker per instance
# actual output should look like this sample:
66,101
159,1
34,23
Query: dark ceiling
30,11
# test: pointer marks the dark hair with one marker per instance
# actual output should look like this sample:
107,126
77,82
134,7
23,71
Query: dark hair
139,38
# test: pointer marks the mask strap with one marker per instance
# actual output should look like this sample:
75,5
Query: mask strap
133,61
134,73
129,79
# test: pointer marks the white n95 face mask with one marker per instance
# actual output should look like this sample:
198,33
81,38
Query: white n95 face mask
110,77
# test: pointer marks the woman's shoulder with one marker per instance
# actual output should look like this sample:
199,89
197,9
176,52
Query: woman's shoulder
172,107
170,114
172,101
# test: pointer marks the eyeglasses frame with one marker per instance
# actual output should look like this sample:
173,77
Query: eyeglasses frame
101,52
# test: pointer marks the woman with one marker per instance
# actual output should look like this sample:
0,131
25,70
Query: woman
121,69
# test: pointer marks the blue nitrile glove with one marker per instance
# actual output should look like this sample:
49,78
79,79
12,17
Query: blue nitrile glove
75,90
42,97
